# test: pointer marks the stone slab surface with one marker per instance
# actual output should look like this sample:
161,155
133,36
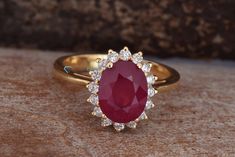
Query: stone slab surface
43,117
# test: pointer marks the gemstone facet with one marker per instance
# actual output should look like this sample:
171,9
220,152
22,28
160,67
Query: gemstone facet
123,92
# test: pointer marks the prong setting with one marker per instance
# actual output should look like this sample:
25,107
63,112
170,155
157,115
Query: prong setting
96,75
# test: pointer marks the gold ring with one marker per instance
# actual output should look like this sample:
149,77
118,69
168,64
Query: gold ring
121,84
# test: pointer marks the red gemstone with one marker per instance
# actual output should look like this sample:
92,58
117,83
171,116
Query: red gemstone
123,92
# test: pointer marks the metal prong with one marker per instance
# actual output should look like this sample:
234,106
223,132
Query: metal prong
110,51
141,53
156,78
90,72
125,48
109,65
98,60
139,65
155,91
103,116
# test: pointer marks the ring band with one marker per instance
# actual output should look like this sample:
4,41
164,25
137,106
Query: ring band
121,85
78,67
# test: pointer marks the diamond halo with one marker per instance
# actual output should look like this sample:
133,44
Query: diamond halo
112,58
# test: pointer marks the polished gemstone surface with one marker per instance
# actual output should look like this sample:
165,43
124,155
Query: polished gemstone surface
123,92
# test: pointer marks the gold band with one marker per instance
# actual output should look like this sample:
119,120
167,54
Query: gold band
75,68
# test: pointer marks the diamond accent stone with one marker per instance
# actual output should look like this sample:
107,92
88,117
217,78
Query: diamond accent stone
132,124
119,126
125,54
137,58
102,64
93,87
97,112
106,122
93,99
146,67
151,79
143,116
95,75
149,105
113,56
151,91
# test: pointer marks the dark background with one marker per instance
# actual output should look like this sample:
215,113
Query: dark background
165,28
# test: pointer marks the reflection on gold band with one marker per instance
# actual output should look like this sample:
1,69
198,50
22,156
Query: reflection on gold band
78,67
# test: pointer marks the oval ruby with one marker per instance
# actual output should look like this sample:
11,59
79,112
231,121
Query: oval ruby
123,92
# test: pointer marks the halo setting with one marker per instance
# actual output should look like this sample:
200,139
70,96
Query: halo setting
121,89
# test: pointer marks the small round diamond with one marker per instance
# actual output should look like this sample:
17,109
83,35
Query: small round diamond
137,58
151,79
143,116
151,92
113,56
149,105
97,112
146,67
93,99
131,124
95,75
102,64
119,126
106,122
93,87
125,54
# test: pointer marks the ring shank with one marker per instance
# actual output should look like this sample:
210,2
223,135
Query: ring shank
80,65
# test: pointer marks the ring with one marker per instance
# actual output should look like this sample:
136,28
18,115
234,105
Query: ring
121,84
